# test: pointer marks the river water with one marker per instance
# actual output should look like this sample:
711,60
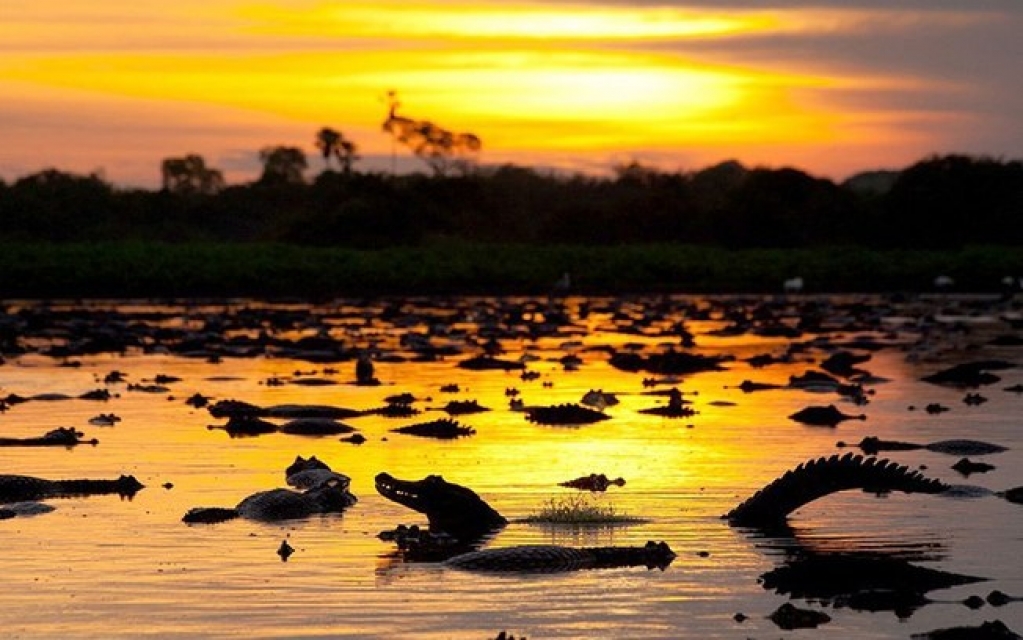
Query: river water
107,567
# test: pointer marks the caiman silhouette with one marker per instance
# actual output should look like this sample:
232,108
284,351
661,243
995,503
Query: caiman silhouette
450,508
823,416
323,491
595,482
564,415
860,581
16,488
460,520
307,473
771,506
549,558
238,408
278,504
59,437
444,429
872,445
821,477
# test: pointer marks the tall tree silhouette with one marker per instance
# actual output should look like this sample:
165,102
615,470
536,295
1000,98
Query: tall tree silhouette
394,125
332,143
442,150
190,174
282,165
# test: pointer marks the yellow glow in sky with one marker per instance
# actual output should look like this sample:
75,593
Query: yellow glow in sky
517,21
533,80
600,97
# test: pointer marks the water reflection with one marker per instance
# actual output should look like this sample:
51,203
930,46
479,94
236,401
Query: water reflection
722,432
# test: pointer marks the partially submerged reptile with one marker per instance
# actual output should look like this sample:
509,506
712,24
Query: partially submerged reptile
460,520
549,558
564,415
595,482
17,488
322,491
450,508
821,477
307,473
872,445
278,504
771,506
823,416
59,437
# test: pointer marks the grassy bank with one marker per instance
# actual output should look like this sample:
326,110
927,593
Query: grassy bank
262,270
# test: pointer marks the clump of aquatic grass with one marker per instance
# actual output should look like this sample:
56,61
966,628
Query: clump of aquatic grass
578,509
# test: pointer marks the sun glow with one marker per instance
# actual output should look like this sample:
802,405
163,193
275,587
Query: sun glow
527,77
516,21
513,99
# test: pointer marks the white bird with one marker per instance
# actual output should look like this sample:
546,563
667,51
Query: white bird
943,282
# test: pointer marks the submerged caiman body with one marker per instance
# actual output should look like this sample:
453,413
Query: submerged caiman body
16,488
59,437
546,558
278,504
821,477
321,490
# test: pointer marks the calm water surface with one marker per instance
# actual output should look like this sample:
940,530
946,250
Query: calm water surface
106,567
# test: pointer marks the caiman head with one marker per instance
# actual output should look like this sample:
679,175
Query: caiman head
332,495
304,464
658,555
128,486
450,508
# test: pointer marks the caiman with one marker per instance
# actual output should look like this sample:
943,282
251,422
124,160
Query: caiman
278,504
15,488
59,437
821,477
450,508
459,520
307,473
549,558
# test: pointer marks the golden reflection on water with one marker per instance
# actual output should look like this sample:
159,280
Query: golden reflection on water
107,567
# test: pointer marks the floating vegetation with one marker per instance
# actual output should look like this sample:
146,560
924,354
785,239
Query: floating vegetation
579,509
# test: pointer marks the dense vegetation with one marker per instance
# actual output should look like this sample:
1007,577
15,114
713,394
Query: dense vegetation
514,228
943,202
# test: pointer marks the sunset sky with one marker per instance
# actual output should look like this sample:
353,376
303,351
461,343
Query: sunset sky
829,86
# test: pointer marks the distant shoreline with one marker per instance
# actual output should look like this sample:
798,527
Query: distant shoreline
165,270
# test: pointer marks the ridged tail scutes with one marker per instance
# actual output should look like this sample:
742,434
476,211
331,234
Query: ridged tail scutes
823,476
546,558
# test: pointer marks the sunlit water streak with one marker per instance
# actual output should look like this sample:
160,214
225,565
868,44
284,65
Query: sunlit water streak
106,567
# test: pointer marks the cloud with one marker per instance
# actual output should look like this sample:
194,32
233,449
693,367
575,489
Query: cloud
125,138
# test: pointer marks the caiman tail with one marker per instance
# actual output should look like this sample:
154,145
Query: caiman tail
821,477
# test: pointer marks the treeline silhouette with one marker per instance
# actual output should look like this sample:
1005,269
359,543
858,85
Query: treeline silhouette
941,202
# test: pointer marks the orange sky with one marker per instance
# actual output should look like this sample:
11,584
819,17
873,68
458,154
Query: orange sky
830,87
